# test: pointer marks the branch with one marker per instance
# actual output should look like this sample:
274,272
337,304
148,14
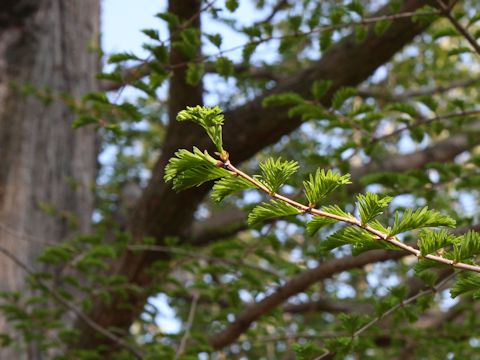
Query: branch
379,235
421,122
294,286
131,74
442,151
188,326
401,304
406,95
197,255
446,10
220,225
134,73
72,307
328,305
280,5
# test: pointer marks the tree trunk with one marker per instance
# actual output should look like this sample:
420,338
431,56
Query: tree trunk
47,169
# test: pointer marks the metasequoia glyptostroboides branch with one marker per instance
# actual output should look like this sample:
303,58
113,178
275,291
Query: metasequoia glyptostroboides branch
189,169
349,220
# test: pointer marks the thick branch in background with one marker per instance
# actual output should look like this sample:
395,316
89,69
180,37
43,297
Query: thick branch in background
181,95
294,286
443,151
409,94
248,129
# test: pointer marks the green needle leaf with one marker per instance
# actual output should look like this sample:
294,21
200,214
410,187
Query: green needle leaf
322,183
371,205
275,173
317,223
187,169
432,241
420,218
210,118
270,210
229,185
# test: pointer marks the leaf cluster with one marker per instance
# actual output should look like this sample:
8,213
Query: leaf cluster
275,173
210,118
320,184
188,169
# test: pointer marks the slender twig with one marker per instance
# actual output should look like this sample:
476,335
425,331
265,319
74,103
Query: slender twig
425,122
143,68
198,255
320,29
379,235
278,6
405,95
446,10
188,327
72,307
401,304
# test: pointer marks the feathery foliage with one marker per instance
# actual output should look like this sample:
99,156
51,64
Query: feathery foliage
420,218
270,210
336,210
210,118
188,169
229,185
358,238
432,241
466,246
322,183
371,205
317,223
466,282
275,173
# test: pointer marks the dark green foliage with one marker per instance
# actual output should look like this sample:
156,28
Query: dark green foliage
319,88
467,282
341,96
195,73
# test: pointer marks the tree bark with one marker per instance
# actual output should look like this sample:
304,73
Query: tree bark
48,169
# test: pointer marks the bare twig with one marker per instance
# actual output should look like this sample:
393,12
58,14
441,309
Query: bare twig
428,90
25,237
295,285
401,304
198,255
446,10
281,4
188,326
425,122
